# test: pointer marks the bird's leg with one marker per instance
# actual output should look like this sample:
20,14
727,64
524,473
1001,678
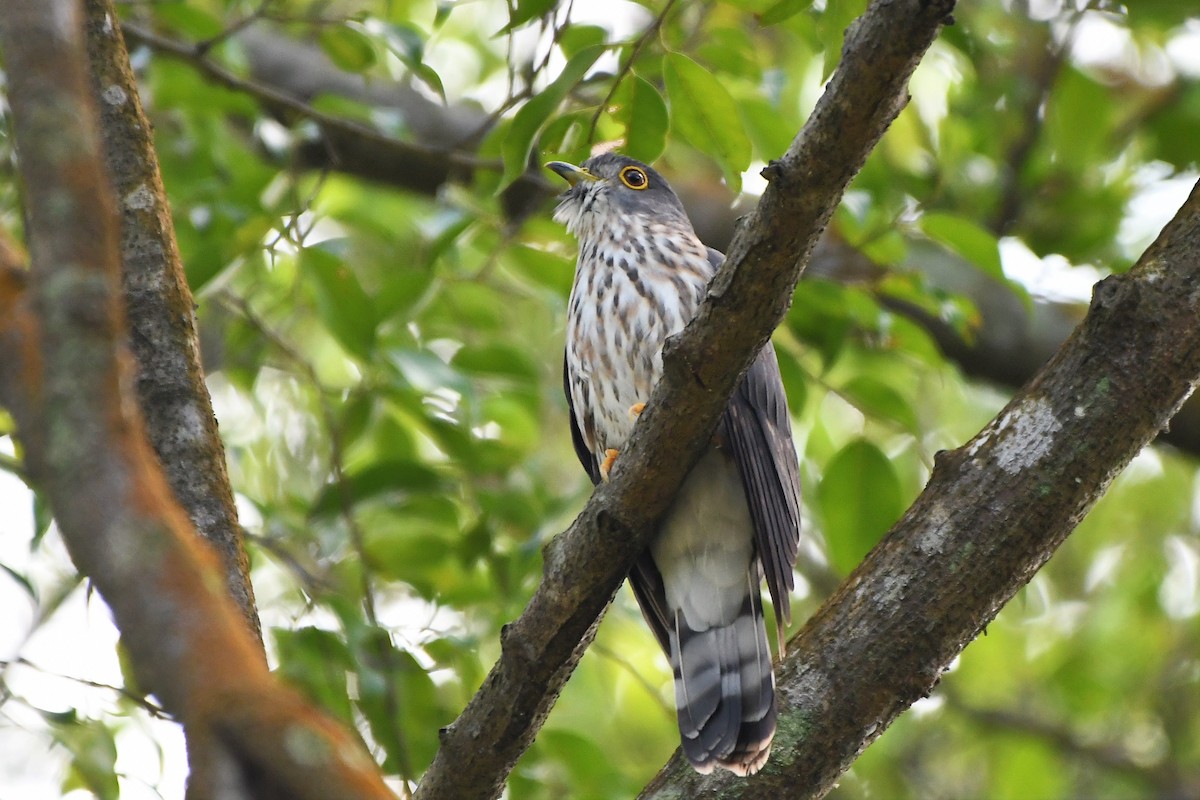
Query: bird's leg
610,456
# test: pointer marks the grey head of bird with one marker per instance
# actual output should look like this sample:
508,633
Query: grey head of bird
612,190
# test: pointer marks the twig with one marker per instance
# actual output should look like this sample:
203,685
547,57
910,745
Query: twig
273,98
650,31
153,709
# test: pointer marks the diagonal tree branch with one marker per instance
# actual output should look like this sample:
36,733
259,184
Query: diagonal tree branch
65,376
585,566
170,380
993,513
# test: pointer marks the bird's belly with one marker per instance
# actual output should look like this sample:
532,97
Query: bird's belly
614,361
705,544
629,383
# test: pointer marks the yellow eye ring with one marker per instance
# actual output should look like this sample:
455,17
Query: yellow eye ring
635,178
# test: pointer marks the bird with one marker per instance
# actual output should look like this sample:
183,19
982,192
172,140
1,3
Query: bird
640,277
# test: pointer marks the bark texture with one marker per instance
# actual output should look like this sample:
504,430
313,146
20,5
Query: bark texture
174,401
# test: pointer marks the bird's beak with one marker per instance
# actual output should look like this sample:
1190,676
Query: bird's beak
570,173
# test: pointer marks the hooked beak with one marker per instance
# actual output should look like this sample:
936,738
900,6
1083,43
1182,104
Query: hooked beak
570,173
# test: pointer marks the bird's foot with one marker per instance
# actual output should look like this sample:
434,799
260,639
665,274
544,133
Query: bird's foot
636,410
610,456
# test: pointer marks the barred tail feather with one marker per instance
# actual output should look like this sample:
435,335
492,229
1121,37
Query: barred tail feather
725,691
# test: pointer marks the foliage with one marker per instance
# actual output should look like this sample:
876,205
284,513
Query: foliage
386,365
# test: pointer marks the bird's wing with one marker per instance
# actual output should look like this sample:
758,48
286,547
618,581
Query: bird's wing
647,584
760,435
587,458
644,578
759,432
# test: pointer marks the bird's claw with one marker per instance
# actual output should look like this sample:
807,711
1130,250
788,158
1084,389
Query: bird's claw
636,410
610,456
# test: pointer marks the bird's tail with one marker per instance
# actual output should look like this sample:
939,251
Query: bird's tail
725,690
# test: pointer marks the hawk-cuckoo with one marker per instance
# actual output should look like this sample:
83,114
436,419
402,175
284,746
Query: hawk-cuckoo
641,276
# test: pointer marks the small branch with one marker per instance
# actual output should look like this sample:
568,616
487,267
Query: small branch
279,102
1111,756
349,146
153,709
1040,78
652,30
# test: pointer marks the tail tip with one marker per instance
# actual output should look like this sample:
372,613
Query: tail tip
745,761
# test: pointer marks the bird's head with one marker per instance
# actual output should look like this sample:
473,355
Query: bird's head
613,190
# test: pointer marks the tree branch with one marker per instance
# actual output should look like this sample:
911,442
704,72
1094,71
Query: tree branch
993,513
174,400
585,566
1107,756
65,376
350,146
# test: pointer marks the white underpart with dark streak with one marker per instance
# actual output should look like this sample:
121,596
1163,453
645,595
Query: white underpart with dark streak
598,323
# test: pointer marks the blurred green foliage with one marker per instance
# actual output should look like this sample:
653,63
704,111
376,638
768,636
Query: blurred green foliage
386,364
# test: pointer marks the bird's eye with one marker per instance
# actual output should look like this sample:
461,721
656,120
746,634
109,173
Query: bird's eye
634,178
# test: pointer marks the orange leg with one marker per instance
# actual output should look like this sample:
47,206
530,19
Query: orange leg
610,456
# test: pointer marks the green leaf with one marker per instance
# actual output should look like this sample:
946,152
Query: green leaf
831,30
375,480
784,9
444,7
408,44
400,553
389,677
858,499
317,661
497,360
519,140
525,11
730,53
768,127
646,121
21,581
541,267
342,303
704,113
93,754
967,239
348,48
579,37
876,399
185,18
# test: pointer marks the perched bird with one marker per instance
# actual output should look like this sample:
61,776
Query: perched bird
641,276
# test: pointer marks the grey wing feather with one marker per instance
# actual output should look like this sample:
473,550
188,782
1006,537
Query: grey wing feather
587,458
647,584
759,430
